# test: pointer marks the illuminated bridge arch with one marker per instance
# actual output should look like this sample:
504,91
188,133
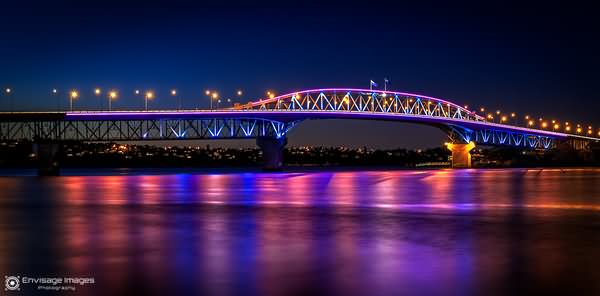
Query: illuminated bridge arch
460,123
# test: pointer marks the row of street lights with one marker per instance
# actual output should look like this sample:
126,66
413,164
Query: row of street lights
112,95
149,95
213,95
540,123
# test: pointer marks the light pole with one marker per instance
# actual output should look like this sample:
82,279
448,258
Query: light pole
230,104
149,96
218,103
55,94
174,94
214,96
8,91
97,93
112,95
240,94
72,96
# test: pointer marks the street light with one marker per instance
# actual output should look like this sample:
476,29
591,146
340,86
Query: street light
213,96
55,94
229,101
148,96
239,93
97,91
174,94
112,95
73,96
270,94
7,91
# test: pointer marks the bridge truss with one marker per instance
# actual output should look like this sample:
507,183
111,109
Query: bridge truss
456,120
150,129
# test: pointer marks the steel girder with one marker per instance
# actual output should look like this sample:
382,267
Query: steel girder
458,134
134,130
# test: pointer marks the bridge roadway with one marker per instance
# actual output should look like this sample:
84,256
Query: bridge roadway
270,120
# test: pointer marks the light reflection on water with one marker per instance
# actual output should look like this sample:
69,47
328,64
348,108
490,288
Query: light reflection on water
349,232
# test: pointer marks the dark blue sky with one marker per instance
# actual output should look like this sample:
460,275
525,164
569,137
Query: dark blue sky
537,59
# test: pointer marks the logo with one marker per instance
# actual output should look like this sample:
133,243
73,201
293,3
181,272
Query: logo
11,283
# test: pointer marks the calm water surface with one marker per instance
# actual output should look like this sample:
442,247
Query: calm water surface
439,232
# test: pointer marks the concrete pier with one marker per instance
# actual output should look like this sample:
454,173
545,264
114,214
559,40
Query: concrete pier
461,158
48,154
272,152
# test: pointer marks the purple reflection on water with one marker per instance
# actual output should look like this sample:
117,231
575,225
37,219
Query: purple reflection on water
373,232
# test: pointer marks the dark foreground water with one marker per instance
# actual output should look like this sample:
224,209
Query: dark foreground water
443,232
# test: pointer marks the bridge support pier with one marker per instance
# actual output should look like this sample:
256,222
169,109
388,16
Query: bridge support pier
272,152
461,158
48,154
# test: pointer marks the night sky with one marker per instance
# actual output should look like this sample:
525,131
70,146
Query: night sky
537,59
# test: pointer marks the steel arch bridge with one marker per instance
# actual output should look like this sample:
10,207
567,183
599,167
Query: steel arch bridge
274,118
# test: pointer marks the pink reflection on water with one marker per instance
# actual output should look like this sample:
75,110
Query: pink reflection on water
341,188
74,190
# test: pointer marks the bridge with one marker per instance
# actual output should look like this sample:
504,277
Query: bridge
269,120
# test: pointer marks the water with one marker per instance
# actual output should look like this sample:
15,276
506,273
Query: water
438,232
